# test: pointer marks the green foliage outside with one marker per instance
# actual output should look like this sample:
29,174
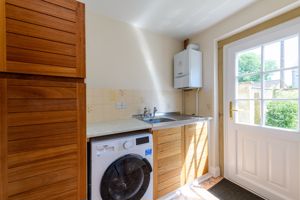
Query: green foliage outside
283,114
251,63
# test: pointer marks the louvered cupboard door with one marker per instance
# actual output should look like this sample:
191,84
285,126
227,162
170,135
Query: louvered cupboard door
45,37
168,172
42,140
196,150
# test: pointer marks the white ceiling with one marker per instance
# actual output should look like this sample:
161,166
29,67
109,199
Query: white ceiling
176,18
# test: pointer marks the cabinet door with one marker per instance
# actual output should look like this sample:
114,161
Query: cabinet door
196,150
168,160
190,159
45,37
42,140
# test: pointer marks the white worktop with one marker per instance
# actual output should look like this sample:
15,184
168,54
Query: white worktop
115,126
105,128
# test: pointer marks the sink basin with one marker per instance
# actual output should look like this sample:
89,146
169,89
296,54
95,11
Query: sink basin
158,120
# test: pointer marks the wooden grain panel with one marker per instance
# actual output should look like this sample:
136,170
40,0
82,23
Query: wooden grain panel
39,143
21,14
24,158
30,68
42,82
82,172
172,137
36,44
31,92
3,139
168,164
21,119
2,36
42,167
168,160
36,57
171,181
41,180
61,190
36,105
172,173
169,149
201,149
196,151
70,195
32,30
70,4
46,8
41,130
39,42
190,159
169,189
81,57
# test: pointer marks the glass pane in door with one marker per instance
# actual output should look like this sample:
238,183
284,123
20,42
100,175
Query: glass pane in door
281,114
248,112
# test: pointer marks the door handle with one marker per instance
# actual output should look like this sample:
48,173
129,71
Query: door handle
231,110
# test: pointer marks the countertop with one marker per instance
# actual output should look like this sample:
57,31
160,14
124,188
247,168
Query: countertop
115,126
99,129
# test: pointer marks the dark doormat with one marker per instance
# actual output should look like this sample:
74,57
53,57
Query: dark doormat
226,190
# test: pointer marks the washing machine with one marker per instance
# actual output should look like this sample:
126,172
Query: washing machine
121,168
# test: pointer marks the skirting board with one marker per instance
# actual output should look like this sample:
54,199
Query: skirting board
215,171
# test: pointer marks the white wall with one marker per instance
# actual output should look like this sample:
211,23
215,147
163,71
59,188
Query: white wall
207,41
124,61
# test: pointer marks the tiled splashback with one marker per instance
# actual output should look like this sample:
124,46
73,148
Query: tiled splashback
110,104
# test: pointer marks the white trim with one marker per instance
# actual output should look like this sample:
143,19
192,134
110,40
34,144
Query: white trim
215,171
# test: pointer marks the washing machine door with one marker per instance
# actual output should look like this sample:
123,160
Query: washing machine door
126,179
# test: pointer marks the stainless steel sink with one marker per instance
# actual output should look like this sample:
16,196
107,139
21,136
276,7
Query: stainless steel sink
158,120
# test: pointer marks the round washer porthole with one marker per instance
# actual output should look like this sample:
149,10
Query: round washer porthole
127,178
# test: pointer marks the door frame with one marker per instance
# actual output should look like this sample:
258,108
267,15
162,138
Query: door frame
282,18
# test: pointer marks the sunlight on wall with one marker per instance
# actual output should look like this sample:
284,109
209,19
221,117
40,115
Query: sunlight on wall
144,47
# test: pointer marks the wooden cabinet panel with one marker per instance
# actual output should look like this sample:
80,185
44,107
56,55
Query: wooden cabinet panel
42,141
168,160
196,150
39,19
45,37
46,7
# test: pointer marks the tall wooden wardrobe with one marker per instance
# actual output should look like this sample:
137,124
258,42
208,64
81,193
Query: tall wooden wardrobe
42,100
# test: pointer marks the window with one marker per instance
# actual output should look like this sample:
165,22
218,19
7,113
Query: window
267,84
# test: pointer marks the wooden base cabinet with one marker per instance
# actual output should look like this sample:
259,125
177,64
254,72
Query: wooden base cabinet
42,139
196,150
180,156
168,160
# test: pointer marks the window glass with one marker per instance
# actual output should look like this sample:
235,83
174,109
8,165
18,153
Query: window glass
249,86
291,52
249,111
249,61
281,114
268,94
272,56
281,84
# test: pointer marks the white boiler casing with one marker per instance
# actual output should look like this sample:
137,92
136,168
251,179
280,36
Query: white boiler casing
188,69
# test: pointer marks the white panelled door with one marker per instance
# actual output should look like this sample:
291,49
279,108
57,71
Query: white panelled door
261,112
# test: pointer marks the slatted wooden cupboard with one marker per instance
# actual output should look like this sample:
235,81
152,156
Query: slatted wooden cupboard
42,100
180,156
